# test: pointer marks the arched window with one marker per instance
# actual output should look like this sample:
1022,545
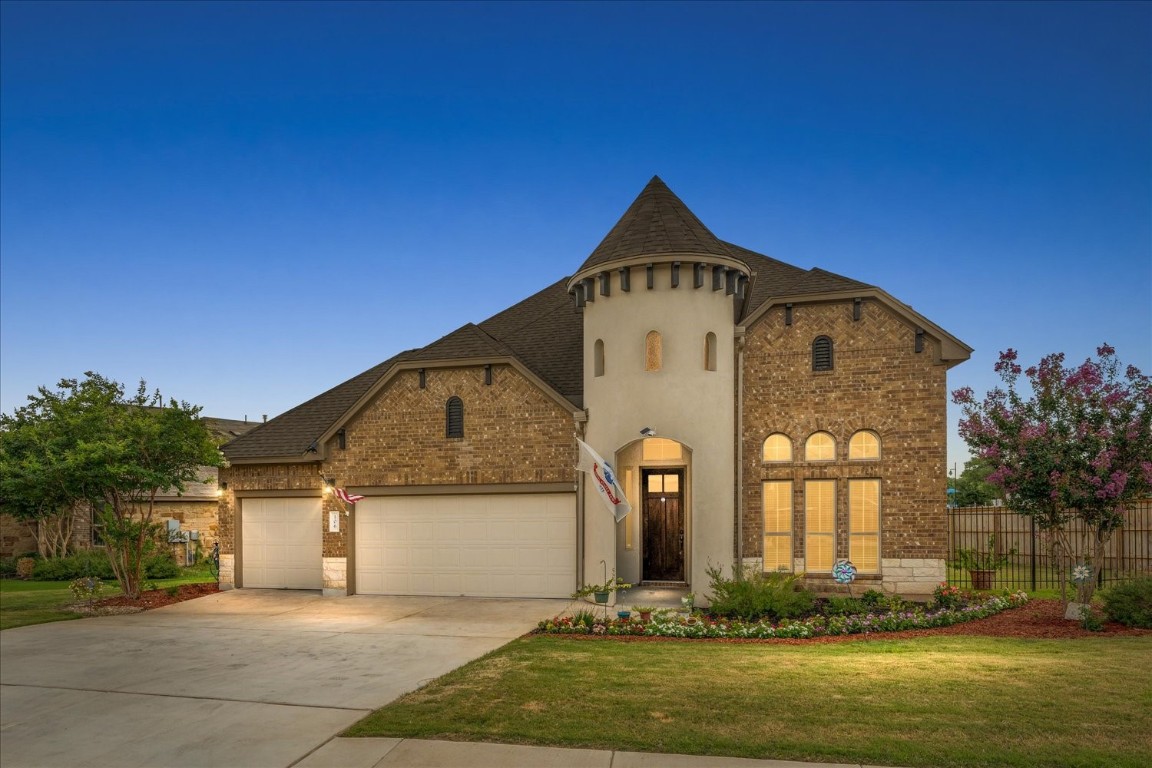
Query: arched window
822,354
778,447
598,358
454,417
864,445
821,446
710,352
653,351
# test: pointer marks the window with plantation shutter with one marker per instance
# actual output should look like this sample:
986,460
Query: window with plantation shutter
822,354
819,525
777,525
454,417
864,525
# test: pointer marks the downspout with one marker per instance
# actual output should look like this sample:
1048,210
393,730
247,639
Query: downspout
581,421
740,449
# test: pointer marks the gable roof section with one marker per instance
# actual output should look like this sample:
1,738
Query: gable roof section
656,223
292,433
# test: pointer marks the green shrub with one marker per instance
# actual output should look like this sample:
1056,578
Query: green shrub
7,567
1130,602
161,565
774,596
838,605
83,562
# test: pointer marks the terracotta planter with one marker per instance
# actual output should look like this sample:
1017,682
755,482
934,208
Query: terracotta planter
645,616
982,579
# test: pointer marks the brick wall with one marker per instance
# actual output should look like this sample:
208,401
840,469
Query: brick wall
878,383
513,433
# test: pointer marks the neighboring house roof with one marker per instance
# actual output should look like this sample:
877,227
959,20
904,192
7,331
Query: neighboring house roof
224,430
545,334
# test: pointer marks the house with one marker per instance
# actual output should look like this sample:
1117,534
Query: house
755,413
191,515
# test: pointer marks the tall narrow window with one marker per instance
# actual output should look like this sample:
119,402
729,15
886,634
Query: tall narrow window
454,417
710,352
864,525
653,351
778,447
819,525
598,358
864,445
822,354
778,525
821,446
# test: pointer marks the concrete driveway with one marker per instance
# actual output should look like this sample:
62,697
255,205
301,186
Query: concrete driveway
242,678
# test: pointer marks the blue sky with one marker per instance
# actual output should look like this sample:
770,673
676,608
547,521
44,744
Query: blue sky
247,203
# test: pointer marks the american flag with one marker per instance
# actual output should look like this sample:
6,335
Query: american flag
347,498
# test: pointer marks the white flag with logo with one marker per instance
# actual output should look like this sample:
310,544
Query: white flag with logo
604,480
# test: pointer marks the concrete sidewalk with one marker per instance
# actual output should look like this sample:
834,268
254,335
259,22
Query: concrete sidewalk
418,753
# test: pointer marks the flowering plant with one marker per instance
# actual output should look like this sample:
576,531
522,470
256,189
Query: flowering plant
667,624
947,596
611,585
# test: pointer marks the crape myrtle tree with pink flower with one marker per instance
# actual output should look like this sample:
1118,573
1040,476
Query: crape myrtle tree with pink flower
1074,456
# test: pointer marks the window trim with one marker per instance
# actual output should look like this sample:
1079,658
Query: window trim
790,533
808,482
879,524
808,442
764,449
879,445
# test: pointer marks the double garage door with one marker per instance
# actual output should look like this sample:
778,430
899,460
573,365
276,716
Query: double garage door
498,545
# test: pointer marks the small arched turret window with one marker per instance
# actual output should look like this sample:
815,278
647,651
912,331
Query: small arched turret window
710,352
653,351
822,354
598,358
454,417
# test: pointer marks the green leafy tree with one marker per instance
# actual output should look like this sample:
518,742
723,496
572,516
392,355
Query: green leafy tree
1079,450
972,487
89,442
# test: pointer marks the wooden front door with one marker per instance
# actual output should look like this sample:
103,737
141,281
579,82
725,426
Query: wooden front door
663,524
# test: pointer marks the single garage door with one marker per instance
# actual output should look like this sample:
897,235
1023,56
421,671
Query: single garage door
281,542
506,545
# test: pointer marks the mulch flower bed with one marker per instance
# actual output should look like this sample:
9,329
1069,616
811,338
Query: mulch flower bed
153,598
1038,618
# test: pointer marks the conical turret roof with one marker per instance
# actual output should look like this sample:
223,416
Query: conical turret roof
656,223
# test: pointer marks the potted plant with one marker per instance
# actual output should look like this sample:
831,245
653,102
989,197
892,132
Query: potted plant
601,592
645,611
982,565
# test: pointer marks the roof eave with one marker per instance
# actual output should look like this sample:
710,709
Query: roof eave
953,351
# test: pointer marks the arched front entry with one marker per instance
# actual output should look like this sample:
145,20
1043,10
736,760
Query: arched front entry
653,544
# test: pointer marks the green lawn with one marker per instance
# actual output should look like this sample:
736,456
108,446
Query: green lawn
23,603
943,701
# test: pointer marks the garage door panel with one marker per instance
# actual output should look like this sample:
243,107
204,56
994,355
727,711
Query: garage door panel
282,543
503,545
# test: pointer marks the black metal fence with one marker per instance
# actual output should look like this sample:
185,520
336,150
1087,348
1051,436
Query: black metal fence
1031,564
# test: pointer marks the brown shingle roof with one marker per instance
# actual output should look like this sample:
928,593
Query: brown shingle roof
293,432
545,331
657,222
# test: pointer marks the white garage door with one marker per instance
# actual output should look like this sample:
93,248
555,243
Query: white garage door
281,541
507,545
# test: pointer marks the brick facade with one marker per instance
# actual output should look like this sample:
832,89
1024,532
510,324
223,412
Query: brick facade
513,433
879,383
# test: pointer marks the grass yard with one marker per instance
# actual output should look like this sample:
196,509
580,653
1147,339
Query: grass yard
940,701
23,603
